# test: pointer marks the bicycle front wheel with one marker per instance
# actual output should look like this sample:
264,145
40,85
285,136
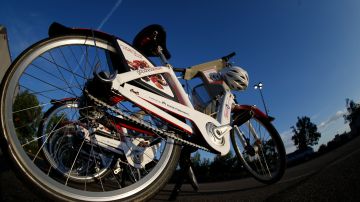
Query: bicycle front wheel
44,141
259,147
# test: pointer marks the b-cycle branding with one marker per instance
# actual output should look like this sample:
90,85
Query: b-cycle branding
142,71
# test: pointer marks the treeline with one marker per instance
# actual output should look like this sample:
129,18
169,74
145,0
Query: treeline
221,168
338,141
353,118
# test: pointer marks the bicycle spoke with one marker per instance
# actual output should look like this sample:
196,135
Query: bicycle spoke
78,62
72,166
47,138
69,67
62,132
42,93
59,66
61,89
62,75
260,154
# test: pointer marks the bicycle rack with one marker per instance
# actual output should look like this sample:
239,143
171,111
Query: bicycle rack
5,59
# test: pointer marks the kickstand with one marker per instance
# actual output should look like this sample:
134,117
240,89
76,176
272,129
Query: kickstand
186,171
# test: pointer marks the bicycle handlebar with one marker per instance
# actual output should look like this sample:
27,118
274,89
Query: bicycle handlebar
191,72
227,58
182,70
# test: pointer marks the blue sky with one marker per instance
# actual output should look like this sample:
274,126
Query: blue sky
306,52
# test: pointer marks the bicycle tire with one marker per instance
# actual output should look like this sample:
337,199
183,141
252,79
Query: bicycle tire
267,171
13,83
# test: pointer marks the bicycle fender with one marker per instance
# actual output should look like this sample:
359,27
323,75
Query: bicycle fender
256,111
57,29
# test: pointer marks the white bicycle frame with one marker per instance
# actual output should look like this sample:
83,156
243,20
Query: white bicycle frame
212,130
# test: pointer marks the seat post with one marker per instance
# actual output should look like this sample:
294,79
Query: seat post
162,56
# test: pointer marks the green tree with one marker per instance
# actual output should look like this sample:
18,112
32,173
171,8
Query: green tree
222,166
196,159
353,116
201,167
322,149
353,110
305,133
26,116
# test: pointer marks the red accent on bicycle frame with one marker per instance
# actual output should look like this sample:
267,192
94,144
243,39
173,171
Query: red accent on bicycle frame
257,112
120,125
116,99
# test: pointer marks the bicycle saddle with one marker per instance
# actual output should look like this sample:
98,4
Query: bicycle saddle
149,38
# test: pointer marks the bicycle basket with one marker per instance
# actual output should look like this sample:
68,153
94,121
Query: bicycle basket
202,101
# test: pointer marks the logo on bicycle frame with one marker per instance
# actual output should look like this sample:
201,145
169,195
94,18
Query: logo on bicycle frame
142,71
138,62
142,67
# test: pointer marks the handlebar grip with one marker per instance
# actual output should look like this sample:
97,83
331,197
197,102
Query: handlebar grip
227,58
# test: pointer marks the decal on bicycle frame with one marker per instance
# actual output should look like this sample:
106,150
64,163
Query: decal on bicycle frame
138,62
209,78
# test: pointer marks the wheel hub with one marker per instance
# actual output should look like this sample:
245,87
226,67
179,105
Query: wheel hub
250,150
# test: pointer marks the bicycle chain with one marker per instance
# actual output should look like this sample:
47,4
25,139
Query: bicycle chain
142,123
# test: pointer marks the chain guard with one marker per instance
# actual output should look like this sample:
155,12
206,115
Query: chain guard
134,120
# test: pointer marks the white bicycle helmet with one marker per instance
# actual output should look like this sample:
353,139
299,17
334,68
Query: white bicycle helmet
235,77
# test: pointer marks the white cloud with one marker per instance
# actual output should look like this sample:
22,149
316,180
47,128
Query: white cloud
339,114
322,127
288,142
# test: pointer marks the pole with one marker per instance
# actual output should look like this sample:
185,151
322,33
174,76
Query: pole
263,101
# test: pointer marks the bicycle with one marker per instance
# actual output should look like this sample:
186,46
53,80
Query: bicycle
86,116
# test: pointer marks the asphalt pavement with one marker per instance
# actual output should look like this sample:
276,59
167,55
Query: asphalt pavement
334,176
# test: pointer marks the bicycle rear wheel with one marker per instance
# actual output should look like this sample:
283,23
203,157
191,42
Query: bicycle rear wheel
259,147
58,69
